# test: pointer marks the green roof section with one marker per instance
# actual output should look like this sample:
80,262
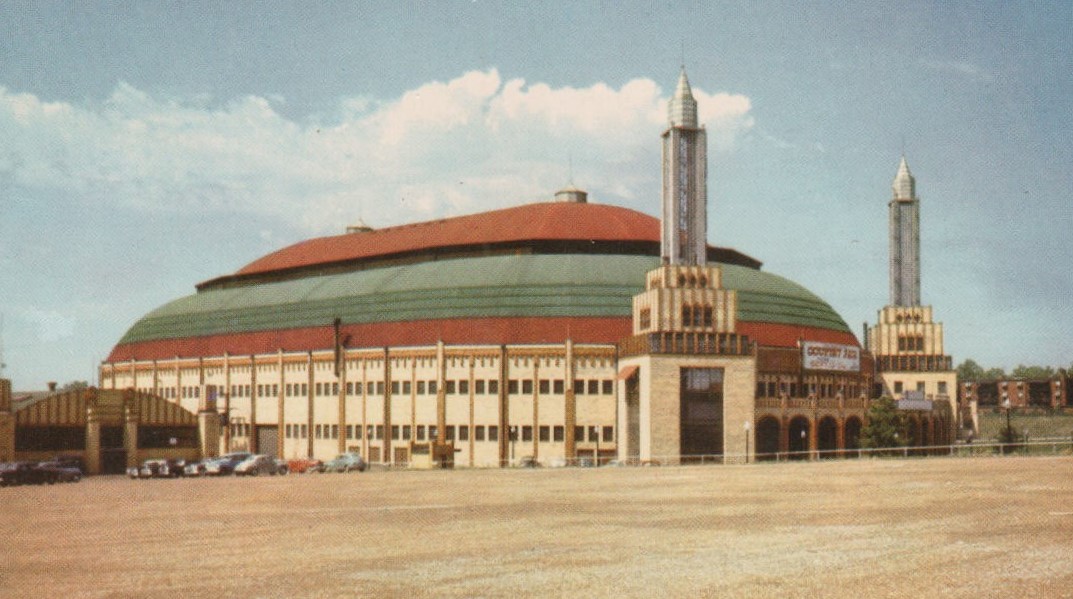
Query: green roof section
555,285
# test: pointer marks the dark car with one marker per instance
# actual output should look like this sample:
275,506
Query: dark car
24,473
256,465
61,471
225,464
345,462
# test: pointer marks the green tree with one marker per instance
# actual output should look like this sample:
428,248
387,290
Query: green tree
886,425
969,370
993,374
75,386
1032,372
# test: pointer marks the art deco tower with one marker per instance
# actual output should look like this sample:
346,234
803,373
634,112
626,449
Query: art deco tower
904,239
906,341
684,234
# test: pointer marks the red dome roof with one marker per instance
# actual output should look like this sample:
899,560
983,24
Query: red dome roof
552,221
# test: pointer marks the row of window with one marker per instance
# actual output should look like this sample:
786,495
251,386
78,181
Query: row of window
776,389
451,387
911,343
545,433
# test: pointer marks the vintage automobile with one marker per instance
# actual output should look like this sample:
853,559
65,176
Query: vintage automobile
225,464
158,469
304,465
345,462
24,473
256,465
195,468
281,466
61,471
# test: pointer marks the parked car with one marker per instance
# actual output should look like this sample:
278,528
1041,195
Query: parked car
158,468
24,473
61,471
345,462
256,465
225,464
195,468
67,461
529,462
281,466
304,465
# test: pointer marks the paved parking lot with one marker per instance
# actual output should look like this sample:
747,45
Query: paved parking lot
944,527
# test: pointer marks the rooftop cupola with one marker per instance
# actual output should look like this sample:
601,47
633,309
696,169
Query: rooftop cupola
572,194
682,109
904,186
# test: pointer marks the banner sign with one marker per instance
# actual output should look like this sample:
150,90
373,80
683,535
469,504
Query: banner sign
830,356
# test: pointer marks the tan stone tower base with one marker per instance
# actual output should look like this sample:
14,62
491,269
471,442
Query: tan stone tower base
689,379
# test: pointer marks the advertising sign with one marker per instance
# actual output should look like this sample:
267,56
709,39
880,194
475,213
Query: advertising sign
831,356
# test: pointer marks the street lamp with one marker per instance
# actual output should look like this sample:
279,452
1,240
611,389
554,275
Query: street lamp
1008,435
748,425
513,432
804,443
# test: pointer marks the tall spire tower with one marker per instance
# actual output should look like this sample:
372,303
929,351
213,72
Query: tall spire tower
684,236
906,341
904,239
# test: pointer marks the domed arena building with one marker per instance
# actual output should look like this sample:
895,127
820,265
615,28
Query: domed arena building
541,332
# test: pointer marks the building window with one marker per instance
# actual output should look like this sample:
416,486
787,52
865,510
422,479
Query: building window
379,387
645,320
558,434
395,387
432,388
420,432
380,431
357,432
420,387
512,386
335,431
608,386
493,387
305,431
406,388
545,433
287,431
942,387
897,386
394,432
463,387
478,432
349,388
579,387
545,386
579,434
527,433
527,387
449,431
317,431
433,433
493,433
350,431
335,389
478,387
406,430
609,434
557,387
594,387
449,388
463,433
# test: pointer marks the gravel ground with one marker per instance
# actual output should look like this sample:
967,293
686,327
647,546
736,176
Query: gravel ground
942,527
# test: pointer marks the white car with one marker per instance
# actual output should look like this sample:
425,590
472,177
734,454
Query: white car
256,465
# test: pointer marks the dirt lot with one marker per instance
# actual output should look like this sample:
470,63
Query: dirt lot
944,527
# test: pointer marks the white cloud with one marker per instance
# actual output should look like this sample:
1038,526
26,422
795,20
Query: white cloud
960,68
51,325
468,144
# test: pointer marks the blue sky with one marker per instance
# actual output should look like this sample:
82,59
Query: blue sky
150,146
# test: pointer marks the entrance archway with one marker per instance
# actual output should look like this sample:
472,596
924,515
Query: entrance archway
853,432
827,437
767,438
799,438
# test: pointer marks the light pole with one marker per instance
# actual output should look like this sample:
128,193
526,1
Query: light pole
1007,436
596,462
513,432
748,425
804,443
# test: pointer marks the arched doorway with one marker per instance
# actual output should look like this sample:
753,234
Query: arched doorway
767,438
799,438
827,437
853,432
